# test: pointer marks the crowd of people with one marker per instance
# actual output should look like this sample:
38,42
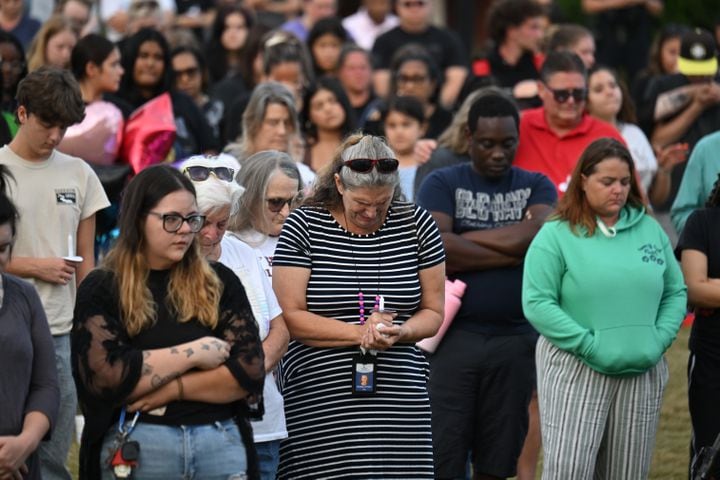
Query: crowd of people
226,227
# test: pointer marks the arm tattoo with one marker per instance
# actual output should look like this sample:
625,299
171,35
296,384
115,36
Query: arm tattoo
174,351
147,369
158,381
189,352
205,346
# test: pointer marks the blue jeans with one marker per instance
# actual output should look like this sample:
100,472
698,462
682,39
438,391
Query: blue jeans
269,458
209,452
54,453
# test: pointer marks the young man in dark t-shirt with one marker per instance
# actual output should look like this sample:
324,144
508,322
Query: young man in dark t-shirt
482,374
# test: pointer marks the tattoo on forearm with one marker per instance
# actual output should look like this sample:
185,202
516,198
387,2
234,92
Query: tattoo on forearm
157,381
174,351
147,369
205,346
189,352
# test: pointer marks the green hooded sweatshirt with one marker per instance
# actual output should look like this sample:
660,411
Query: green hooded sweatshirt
616,302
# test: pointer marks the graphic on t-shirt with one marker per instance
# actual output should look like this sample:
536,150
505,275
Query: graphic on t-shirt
652,253
65,196
474,208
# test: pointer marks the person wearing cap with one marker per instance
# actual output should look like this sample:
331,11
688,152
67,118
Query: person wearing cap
687,104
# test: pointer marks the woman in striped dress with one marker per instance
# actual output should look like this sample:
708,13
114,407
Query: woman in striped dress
359,276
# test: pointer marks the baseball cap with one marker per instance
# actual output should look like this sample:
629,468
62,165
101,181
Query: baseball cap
698,54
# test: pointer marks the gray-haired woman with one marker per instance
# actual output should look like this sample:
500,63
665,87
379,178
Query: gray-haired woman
270,122
272,186
218,199
346,259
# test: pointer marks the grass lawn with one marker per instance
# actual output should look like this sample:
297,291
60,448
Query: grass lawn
670,460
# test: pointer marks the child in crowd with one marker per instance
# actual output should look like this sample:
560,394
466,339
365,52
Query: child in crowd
404,126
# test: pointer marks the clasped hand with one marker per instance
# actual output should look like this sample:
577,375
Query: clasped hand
13,452
380,333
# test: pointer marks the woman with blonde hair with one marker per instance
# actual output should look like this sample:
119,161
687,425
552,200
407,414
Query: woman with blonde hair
53,44
168,341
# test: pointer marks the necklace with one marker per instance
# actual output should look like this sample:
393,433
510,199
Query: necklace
361,296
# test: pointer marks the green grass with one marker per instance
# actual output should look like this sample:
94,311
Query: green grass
670,460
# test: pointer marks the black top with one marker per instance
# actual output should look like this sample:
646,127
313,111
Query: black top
107,362
438,122
443,45
702,233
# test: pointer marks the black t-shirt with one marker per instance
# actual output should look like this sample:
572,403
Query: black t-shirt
708,122
702,233
438,122
444,46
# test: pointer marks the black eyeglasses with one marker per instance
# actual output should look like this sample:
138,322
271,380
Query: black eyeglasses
190,72
172,222
365,165
562,96
200,174
276,205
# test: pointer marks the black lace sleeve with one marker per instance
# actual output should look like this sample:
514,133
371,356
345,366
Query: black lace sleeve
238,327
106,367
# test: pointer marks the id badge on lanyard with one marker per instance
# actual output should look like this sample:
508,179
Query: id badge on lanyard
364,378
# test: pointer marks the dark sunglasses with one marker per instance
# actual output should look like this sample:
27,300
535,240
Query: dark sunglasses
562,96
200,174
276,205
365,165
172,222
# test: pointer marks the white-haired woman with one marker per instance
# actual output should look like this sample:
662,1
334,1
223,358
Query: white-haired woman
218,198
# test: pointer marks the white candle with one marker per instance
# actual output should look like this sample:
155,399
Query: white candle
71,246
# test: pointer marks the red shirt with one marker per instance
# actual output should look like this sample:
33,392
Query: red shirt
541,150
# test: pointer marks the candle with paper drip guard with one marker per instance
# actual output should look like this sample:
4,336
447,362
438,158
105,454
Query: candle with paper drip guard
71,257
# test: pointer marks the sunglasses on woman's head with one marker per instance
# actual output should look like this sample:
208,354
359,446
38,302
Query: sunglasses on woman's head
562,96
200,174
365,165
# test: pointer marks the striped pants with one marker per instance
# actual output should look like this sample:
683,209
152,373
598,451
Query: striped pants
595,426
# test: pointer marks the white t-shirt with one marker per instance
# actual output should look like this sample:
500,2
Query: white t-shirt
364,30
243,260
265,246
52,197
641,151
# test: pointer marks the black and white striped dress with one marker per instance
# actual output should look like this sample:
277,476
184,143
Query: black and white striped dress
333,434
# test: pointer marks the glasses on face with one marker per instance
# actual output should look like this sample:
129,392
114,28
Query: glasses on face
562,96
190,72
365,165
416,79
172,222
413,3
12,65
200,174
276,205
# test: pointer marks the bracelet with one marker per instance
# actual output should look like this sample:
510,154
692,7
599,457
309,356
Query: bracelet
180,388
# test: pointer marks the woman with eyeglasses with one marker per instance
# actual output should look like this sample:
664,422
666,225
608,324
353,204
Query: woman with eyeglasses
415,74
219,199
602,287
272,185
360,278
191,78
165,347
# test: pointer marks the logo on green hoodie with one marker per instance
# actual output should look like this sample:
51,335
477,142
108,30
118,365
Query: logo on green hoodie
652,254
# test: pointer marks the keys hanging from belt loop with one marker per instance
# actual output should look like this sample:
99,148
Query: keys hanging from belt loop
126,454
